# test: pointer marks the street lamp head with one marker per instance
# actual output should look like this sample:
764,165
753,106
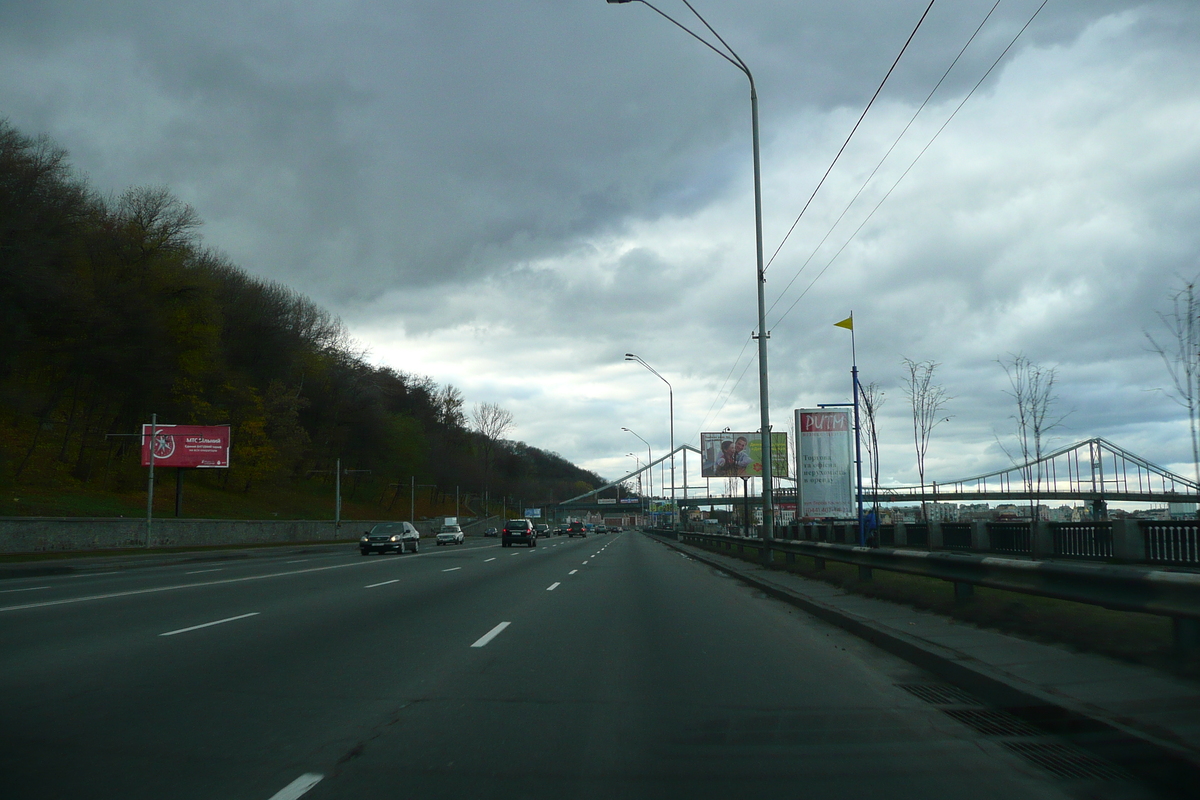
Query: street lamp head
613,2
630,357
627,430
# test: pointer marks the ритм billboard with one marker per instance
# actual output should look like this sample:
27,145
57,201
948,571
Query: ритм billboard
199,446
826,455
736,454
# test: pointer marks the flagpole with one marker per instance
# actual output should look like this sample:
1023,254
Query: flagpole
862,533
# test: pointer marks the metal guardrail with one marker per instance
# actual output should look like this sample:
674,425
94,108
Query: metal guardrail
1122,587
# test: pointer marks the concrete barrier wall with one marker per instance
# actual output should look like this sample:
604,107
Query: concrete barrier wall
65,534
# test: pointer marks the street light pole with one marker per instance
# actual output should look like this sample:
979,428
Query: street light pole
671,400
763,334
641,494
649,468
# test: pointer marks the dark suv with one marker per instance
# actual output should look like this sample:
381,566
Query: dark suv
576,529
518,531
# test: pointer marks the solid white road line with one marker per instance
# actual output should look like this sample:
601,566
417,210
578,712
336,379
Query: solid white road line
493,558
297,561
385,583
451,569
199,571
298,787
210,624
572,572
156,589
28,589
492,634
553,586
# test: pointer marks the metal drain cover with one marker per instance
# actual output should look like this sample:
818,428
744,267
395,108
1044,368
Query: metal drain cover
939,694
1067,762
992,723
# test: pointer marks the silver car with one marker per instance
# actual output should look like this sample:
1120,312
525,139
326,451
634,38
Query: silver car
450,534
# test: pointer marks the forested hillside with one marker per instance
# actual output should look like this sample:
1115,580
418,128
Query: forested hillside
112,309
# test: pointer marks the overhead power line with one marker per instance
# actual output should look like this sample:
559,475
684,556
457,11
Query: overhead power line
851,136
932,139
857,194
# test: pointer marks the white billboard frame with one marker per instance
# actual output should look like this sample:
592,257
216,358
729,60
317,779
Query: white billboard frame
825,490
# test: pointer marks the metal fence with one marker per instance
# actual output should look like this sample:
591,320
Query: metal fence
1083,539
956,535
1176,542
1012,538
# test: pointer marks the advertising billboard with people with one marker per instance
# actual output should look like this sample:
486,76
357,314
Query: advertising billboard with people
739,455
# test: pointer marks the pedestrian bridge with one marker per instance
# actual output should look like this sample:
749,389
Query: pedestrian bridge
1093,470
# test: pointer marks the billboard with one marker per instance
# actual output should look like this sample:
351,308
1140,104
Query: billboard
739,455
533,513
826,455
199,446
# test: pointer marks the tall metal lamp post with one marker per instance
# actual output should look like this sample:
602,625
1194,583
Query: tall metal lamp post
649,471
763,334
641,495
671,399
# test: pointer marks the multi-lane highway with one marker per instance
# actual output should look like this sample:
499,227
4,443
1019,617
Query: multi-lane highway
612,666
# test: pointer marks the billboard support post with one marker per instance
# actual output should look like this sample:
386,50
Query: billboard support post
178,491
150,485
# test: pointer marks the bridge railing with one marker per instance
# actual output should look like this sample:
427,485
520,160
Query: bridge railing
1126,541
1144,588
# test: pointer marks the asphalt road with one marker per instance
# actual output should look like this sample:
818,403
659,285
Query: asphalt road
604,667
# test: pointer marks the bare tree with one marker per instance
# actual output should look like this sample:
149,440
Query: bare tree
1033,390
1181,356
491,422
448,403
928,399
871,399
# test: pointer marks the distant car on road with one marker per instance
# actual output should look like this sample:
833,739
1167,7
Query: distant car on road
518,531
542,529
398,536
450,534
576,529
492,532
601,529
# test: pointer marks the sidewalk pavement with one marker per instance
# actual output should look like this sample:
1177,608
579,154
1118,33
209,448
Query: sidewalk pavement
1115,705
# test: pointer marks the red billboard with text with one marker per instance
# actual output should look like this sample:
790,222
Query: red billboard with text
198,446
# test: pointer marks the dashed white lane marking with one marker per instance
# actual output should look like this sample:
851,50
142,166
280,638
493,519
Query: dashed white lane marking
298,787
572,572
297,561
493,558
210,624
384,583
585,562
26,589
553,586
201,571
492,634
451,569
514,554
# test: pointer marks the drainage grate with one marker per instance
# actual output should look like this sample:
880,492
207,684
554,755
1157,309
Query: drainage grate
939,694
1066,762
992,723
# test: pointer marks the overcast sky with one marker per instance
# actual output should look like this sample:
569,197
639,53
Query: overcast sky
510,196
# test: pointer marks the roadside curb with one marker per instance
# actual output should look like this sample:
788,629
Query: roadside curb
1154,756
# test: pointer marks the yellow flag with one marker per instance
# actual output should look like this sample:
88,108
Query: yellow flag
847,323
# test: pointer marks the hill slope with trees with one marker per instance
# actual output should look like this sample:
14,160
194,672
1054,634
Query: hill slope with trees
112,309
